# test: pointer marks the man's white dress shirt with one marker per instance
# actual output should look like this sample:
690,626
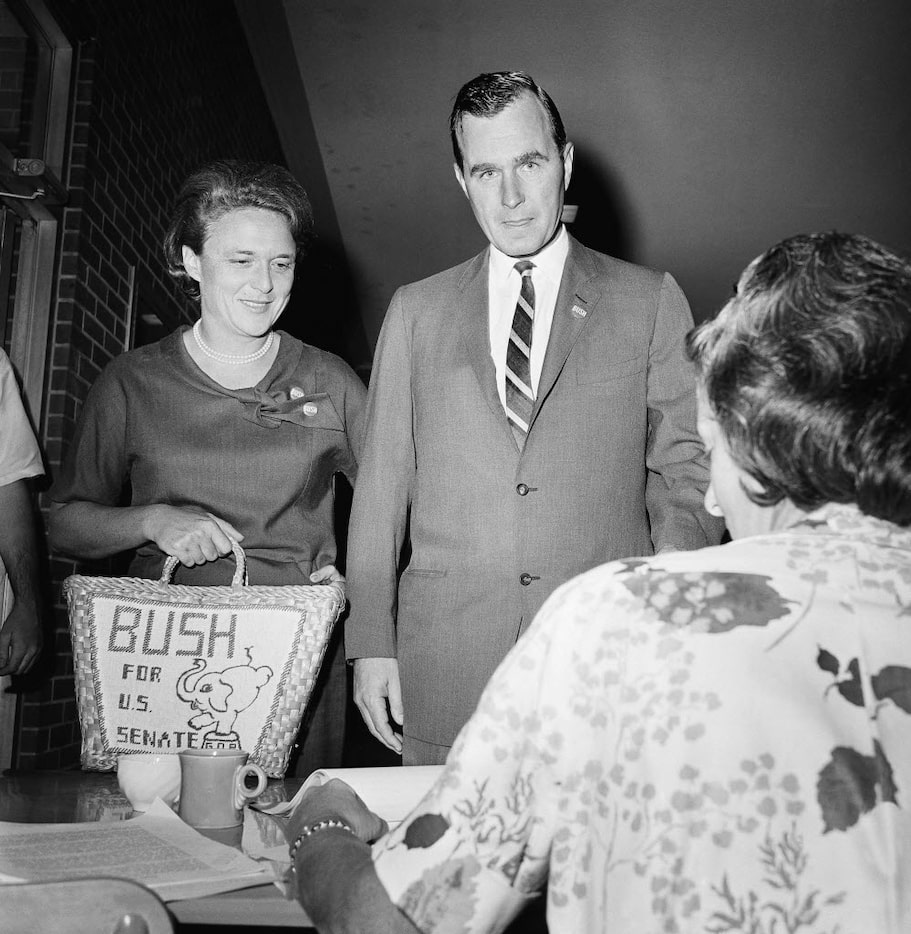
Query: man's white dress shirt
504,284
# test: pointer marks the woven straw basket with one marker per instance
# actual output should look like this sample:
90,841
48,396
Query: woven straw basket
163,667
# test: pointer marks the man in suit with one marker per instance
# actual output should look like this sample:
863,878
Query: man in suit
531,415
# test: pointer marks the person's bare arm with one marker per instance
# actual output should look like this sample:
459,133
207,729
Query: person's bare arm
21,637
333,871
90,530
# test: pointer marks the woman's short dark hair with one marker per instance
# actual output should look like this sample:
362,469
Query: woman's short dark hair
219,187
808,371
489,94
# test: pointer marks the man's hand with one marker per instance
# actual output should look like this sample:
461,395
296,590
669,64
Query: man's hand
335,801
20,641
191,535
376,680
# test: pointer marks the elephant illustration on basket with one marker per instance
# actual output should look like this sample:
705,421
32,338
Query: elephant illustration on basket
219,697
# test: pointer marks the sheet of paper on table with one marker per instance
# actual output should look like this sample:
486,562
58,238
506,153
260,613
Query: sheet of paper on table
157,849
390,792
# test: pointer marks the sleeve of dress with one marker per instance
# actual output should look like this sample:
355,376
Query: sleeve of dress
382,495
96,465
20,457
355,418
678,474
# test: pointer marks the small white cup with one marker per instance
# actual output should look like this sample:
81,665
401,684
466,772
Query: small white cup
145,776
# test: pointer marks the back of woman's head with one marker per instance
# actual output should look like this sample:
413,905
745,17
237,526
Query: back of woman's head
808,371
228,185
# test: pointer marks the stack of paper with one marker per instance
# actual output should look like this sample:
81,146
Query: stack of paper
160,851
389,792
157,849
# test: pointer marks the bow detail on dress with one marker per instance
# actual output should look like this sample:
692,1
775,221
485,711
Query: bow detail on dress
270,410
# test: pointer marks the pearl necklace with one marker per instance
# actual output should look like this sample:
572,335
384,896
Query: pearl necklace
231,358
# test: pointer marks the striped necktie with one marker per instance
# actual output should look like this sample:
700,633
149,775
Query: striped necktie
519,395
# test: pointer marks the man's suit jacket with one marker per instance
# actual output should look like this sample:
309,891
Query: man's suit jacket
611,467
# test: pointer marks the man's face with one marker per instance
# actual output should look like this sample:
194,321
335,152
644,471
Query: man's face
513,175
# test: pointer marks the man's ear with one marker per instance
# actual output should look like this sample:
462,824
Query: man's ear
190,262
568,153
460,178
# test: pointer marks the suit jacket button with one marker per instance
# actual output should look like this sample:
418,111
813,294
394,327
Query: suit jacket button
522,489
525,579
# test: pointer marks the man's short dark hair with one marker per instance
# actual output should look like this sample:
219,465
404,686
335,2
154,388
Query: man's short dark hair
227,185
808,371
489,94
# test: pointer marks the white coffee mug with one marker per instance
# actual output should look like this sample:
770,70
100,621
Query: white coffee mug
213,787
145,776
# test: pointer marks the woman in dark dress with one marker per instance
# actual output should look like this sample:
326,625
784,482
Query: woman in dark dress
228,429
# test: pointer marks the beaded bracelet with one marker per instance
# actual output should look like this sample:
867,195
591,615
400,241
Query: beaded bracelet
308,832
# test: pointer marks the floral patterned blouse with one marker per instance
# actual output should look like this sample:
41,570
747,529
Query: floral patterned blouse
709,741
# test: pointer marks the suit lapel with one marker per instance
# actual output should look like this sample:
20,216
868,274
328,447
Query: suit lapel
475,323
578,299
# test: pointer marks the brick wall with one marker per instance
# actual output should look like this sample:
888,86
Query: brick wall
12,57
158,89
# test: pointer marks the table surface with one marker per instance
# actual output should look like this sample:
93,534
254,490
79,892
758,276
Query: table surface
64,797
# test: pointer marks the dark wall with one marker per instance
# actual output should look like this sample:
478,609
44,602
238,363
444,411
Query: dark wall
158,89
323,309
704,130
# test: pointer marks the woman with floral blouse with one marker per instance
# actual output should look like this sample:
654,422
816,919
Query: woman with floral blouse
710,741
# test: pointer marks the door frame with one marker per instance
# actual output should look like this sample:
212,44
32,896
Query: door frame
31,190
38,244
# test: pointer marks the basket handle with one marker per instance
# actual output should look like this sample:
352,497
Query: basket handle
240,572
